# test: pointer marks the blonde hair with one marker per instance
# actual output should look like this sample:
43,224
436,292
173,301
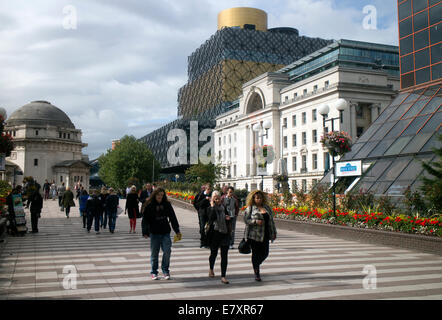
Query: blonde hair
215,194
251,198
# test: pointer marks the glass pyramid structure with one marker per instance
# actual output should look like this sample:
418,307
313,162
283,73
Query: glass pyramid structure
392,148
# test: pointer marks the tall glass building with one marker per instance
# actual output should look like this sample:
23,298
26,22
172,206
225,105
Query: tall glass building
405,133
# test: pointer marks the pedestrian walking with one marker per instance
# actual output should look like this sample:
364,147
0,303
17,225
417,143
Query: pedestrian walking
112,202
231,203
60,191
145,194
132,208
36,202
260,228
94,209
219,238
68,201
202,204
46,189
53,190
83,201
158,215
12,226
104,215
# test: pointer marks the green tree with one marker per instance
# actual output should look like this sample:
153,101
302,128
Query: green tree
432,186
130,159
207,173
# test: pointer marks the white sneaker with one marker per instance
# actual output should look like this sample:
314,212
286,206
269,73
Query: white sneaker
167,276
154,277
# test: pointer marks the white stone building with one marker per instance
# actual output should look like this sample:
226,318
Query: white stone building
46,146
289,101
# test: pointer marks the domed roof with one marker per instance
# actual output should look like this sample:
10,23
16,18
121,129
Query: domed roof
40,113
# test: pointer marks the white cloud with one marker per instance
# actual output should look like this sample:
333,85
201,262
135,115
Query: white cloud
119,72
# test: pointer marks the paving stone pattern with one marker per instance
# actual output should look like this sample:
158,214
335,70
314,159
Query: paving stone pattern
117,266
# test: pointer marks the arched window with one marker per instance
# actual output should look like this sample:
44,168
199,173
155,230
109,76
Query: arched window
255,103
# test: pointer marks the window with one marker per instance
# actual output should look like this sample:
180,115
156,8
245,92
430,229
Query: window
315,136
284,123
36,132
69,135
285,142
326,84
359,112
304,118
294,140
230,154
224,154
286,99
295,95
234,137
304,93
315,88
61,178
304,138
315,161
234,170
234,153
224,139
219,155
219,141
294,121
314,115
230,138
60,135
326,161
304,163
304,185
294,164
36,162
64,135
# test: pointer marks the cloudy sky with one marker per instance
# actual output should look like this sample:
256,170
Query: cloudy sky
118,72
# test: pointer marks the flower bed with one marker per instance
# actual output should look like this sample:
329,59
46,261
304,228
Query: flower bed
187,197
373,220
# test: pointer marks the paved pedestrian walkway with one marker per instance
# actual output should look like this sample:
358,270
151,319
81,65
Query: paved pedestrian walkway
117,266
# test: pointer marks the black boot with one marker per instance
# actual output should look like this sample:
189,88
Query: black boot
257,276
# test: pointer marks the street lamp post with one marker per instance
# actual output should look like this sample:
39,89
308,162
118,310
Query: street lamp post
259,128
340,105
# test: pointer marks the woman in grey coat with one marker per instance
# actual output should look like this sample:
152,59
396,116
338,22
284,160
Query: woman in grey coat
260,228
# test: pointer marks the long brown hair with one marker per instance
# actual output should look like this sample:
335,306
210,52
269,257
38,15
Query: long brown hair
154,194
251,198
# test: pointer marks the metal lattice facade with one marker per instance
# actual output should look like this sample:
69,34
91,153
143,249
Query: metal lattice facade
218,69
231,57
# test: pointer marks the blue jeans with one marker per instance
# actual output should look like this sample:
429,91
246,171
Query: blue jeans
157,241
112,220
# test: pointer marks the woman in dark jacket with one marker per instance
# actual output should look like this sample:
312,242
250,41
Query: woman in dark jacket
220,221
132,208
157,213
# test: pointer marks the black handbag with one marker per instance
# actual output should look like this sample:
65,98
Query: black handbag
244,246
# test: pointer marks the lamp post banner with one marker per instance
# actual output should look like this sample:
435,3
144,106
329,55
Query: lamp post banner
349,168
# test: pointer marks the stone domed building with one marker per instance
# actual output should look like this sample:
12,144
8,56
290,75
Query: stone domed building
46,145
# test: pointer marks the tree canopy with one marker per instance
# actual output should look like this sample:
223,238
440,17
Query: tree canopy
131,158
